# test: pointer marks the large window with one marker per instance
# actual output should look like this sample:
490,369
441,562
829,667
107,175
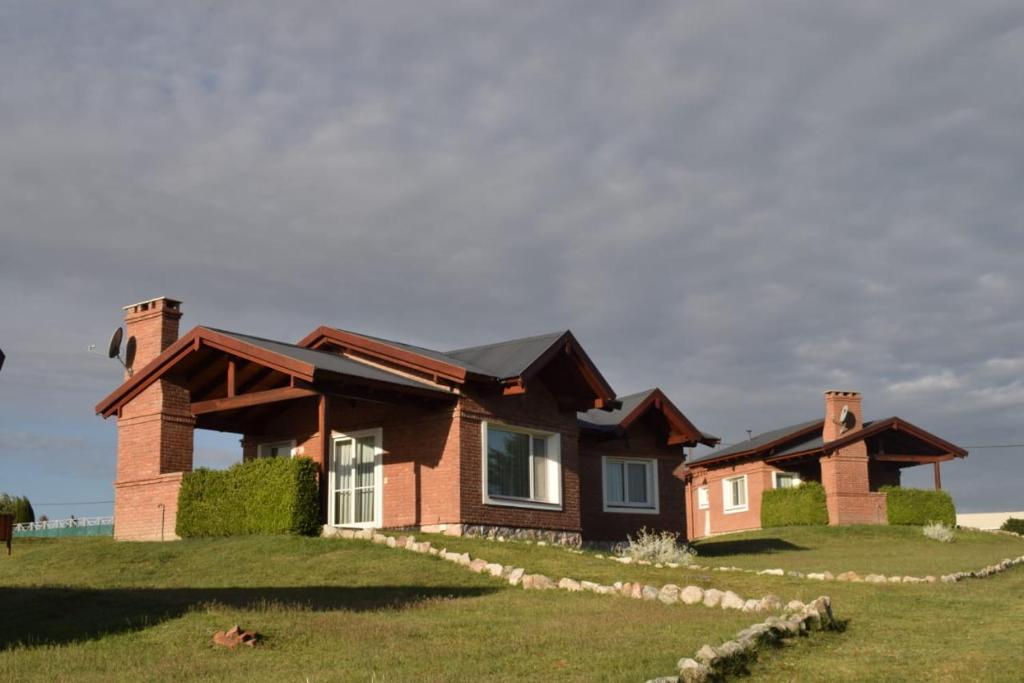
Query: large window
277,449
786,480
522,467
734,494
630,485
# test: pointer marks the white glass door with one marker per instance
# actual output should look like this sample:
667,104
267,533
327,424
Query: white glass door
354,496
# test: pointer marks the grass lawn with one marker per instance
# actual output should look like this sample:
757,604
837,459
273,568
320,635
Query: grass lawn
92,610
920,632
888,550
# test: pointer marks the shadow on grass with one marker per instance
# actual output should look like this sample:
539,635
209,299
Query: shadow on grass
56,615
753,546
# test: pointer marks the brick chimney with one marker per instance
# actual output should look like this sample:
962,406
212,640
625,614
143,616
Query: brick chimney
154,325
154,432
844,471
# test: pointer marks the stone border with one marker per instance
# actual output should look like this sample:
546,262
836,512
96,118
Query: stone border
669,594
849,576
733,656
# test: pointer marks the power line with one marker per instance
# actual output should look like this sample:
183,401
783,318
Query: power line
1005,445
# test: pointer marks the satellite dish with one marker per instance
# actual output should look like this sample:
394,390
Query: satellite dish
114,348
2,356
129,353
847,420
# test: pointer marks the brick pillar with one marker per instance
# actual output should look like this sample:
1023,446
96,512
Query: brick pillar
154,433
844,472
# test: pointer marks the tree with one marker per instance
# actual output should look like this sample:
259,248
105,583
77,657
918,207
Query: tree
23,511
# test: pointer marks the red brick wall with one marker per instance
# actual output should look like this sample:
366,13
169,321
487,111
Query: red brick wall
154,434
420,459
759,480
642,442
536,409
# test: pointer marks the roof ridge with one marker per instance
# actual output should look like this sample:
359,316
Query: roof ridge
508,341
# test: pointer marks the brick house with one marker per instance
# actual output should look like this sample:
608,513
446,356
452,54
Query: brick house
522,437
850,458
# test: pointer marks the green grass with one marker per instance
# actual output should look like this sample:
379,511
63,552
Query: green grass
920,632
92,610
888,550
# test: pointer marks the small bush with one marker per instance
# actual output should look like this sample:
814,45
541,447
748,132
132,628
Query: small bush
802,505
937,531
658,547
264,496
1014,525
918,507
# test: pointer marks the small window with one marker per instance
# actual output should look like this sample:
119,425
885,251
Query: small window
702,498
277,449
734,494
630,485
521,467
786,480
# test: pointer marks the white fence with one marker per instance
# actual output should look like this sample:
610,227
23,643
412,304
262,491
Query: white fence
72,526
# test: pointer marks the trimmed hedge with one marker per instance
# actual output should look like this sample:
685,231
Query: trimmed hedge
918,507
264,496
1015,525
802,505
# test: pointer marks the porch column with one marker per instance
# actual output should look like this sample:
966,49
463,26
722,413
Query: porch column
324,456
938,475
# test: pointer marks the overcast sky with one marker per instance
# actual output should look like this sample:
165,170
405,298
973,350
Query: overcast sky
743,203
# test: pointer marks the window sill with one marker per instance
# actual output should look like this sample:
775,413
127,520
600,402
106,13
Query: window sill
733,511
631,510
527,504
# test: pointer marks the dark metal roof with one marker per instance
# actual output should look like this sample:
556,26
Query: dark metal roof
608,420
812,441
329,362
508,358
760,440
423,351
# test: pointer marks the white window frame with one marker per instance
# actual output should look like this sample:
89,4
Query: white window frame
652,507
554,455
727,495
703,498
263,448
378,478
776,475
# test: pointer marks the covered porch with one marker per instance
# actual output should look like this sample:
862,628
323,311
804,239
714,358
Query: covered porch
282,400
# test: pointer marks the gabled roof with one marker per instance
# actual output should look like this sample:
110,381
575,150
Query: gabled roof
510,362
507,359
305,364
683,432
806,438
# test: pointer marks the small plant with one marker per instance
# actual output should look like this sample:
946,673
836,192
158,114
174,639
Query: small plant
1014,525
937,531
663,547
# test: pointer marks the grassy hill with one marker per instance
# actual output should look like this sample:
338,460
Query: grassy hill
90,610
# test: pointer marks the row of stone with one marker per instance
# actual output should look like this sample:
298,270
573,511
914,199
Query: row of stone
668,594
852,577
734,656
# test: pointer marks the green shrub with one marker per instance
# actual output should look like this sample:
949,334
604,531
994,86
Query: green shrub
19,506
264,496
1015,525
802,505
918,507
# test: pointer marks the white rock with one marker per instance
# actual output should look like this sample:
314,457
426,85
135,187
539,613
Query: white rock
712,597
691,595
772,572
494,569
569,584
516,576
732,601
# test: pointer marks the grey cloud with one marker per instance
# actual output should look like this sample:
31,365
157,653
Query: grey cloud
745,205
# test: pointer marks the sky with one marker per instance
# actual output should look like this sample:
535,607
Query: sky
743,203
